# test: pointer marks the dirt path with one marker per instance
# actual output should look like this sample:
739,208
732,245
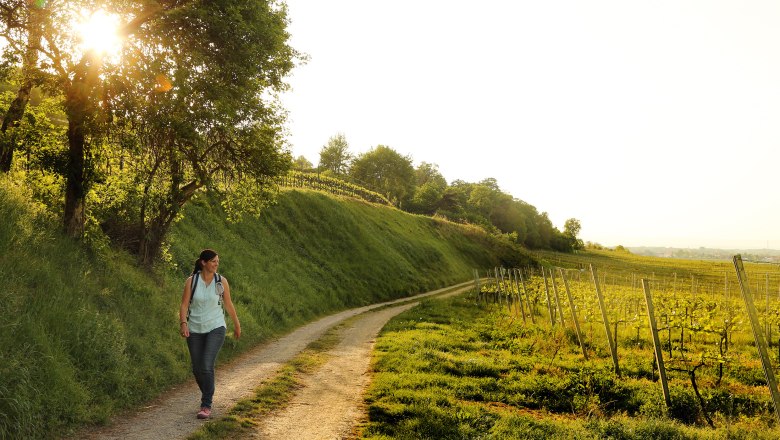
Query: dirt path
172,416
329,404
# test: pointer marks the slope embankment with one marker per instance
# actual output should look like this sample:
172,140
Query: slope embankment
86,333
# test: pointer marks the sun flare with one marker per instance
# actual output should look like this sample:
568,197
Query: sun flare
99,32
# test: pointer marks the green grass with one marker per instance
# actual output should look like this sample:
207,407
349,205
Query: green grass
452,369
85,333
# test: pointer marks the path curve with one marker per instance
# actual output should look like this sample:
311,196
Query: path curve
172,415
328,405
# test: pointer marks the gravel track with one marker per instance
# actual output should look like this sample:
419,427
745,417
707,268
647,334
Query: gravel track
329,404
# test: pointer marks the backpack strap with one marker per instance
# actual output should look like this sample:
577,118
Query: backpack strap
220,288
192,291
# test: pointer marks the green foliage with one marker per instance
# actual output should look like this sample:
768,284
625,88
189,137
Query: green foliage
300,163
213,119
335,156
385,171
426,198
430,187
486,205
571,229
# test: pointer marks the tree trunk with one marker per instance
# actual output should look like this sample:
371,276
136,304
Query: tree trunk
74,181
16,110
74,175
11,121
153,235
77,95
151,243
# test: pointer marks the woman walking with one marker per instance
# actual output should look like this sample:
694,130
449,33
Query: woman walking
202,322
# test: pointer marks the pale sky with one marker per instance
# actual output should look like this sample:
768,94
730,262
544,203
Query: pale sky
655,123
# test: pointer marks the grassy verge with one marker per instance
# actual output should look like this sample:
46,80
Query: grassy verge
450,369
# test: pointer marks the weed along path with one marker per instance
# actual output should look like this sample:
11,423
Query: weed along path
172,415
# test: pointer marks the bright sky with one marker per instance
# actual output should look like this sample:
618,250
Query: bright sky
654,123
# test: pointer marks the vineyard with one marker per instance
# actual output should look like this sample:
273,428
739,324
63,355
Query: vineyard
332,185
644,338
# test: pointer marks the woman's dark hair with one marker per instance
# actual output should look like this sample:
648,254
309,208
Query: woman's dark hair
206,255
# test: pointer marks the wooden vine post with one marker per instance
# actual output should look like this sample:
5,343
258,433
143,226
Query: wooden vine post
573,314
515,291
659,357
489,292
527,299
557,298
477,286
547,297
507,292
520,308
766,315
498,286
755,324
612,346
507,287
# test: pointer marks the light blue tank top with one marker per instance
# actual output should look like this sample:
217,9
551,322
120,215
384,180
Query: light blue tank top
206,312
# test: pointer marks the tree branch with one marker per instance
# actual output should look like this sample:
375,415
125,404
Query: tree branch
54,55
9,13
151,11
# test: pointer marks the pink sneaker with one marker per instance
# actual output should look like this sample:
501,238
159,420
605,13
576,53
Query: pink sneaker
204,413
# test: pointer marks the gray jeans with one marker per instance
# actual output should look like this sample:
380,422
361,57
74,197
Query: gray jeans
204,348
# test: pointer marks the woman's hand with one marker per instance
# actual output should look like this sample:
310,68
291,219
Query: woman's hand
237,331
184,330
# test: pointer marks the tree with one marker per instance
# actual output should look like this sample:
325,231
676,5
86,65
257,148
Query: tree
429,190
232,51
488,201
41,33
546,230
454,201
426,199
207,123
335,156
385,171
510,216
571,229
300,163
20,25
213,118
429,173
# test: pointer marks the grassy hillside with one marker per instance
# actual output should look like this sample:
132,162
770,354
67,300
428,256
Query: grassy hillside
86,333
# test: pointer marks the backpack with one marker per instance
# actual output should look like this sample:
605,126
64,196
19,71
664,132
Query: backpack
220,290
